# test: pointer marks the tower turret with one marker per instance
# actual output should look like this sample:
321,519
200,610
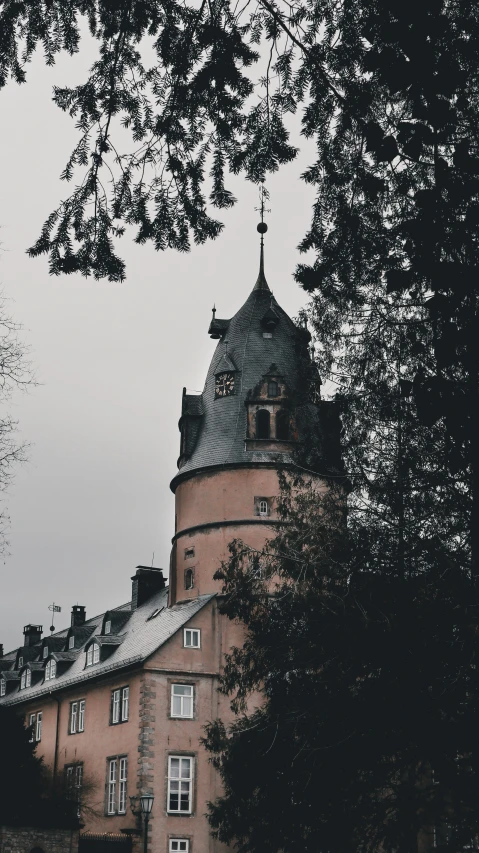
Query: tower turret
260,388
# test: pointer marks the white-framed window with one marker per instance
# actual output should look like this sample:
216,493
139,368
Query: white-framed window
23,679
28,678
71,642
50,670
73,717
38,731
179,845
182,700
180,784
93,654
120,700
192,638
123,785
117,781
263,507
45,652
73,781
81,715
20,662
35,723
125,703
115,706
3,687
31,725
108,626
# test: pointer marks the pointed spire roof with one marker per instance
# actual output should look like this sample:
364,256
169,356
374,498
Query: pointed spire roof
261,283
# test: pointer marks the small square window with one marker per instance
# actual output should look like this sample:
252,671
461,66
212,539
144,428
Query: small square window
267,335
179,845
191,638
189,553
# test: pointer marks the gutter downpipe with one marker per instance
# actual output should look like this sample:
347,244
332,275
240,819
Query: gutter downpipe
55,757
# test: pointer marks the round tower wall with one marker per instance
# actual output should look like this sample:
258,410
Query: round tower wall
212,509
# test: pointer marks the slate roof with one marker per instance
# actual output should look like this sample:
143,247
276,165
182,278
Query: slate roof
221,439
141,637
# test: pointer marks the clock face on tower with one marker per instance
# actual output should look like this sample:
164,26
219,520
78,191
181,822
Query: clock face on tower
224,385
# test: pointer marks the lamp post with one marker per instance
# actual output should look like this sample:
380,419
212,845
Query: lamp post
146,802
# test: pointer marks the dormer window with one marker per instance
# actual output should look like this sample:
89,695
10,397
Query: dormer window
108,627
50,670
272,388
93,654
3,687
20,662
45,652
224,385
23,680
71,642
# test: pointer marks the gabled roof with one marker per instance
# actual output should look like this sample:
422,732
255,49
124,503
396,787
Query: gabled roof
142,636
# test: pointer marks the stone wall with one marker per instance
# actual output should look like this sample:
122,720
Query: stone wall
22,839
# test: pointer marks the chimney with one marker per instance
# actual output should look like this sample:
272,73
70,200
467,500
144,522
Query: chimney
146,582
78,615
1,650
32,634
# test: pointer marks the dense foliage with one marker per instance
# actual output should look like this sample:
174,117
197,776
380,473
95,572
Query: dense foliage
365,738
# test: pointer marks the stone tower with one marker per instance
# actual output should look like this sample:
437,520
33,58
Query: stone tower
260,399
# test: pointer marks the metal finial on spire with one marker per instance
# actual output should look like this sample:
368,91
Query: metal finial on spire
261,283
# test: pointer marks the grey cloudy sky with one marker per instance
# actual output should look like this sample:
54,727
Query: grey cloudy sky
94,500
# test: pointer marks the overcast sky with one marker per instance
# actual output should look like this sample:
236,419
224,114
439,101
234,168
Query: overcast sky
94,500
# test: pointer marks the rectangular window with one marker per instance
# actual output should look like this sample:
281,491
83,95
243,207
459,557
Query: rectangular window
89,656
125,700
179,845
73,781
191,638
45,652
108,626
112,785
120,705
71,642
115,706
182,700
189,553
117,785
123,783
31,724
3,687
180,784
81,716
73,717
38,733
96,653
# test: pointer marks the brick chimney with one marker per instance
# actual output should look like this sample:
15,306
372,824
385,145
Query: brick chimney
1,650
78,615
146,581
32,634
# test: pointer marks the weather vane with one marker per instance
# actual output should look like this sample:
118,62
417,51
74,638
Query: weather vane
55,608
263,196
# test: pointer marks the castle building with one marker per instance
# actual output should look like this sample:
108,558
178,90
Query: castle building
117,703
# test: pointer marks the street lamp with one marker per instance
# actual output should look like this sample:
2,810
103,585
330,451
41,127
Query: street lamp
146,803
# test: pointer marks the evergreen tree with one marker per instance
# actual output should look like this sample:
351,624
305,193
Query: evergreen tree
365,735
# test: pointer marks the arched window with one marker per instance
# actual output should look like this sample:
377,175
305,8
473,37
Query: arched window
282,425
263,506
262,423
189,579
50,670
